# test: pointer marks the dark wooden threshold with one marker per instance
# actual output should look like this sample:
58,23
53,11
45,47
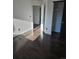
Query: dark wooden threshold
53,32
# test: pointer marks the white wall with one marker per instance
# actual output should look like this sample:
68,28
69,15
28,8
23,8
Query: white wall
37,2
22,9
21,26
42,13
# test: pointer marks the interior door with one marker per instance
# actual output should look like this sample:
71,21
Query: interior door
57,15
36,16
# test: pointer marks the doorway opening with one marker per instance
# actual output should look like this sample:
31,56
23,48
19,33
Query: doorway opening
57,17
36,16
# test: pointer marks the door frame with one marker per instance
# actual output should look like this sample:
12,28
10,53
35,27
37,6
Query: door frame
63,24
54,20
39,15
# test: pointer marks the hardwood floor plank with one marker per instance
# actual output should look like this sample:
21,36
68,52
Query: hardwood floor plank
35,47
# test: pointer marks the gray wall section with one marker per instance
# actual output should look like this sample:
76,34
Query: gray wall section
36,14
22,9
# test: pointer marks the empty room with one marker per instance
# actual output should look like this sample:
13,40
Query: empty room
39,30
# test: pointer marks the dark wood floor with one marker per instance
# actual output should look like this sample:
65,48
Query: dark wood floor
35,25
46,47
50,47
